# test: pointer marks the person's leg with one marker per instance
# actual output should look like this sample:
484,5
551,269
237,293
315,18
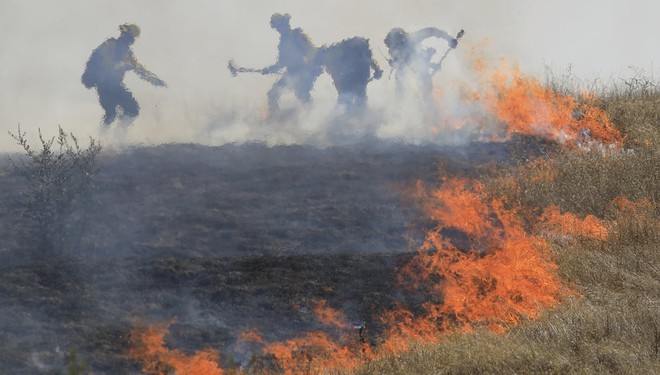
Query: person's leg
360,97
128,103
108,101
274,95
305,83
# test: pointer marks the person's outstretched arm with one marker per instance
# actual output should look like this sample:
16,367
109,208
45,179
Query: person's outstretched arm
433,32
143,72
148,76
272,69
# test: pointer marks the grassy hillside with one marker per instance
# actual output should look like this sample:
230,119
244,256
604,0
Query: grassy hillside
226,241
612,322
222,239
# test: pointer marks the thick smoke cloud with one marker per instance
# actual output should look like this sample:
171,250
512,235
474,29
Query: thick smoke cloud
46,45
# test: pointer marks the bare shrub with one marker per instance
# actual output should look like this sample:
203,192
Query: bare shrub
59,174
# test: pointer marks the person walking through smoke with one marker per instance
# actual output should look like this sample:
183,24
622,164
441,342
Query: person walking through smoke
299,59
349,63
408,56
105,71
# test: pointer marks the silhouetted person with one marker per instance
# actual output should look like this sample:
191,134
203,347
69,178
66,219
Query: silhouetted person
350,63
409,56
106,68
298,58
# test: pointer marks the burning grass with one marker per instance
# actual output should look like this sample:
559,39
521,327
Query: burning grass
507,103
477,268
502,253
148,346
479,263
599,211
610,326
547,263
527,106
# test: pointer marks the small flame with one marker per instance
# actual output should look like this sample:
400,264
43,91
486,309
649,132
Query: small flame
148,347
318,351
553,221
312,353
330,316
640,208
252,335
639,214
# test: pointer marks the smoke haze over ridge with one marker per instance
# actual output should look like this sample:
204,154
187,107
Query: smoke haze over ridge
46,45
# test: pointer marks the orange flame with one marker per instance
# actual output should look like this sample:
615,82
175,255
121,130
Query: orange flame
640,208
312,353
148,347
317,351
479,267
553,221
525,106
330,316
640,214
252,335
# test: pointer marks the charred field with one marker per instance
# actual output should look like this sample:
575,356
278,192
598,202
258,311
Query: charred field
536,252
221,240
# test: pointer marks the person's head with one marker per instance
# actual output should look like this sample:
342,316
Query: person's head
280,22
396,38
129,31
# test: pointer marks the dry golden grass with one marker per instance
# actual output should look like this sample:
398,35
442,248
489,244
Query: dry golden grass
612,322
634,106
611,326
582,182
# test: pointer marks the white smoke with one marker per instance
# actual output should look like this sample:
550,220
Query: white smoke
45,46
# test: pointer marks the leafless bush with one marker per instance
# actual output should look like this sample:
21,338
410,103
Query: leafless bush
59,175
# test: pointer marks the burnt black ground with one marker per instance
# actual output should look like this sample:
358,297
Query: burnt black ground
223,239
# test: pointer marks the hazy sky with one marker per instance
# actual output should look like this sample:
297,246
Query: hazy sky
45,45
